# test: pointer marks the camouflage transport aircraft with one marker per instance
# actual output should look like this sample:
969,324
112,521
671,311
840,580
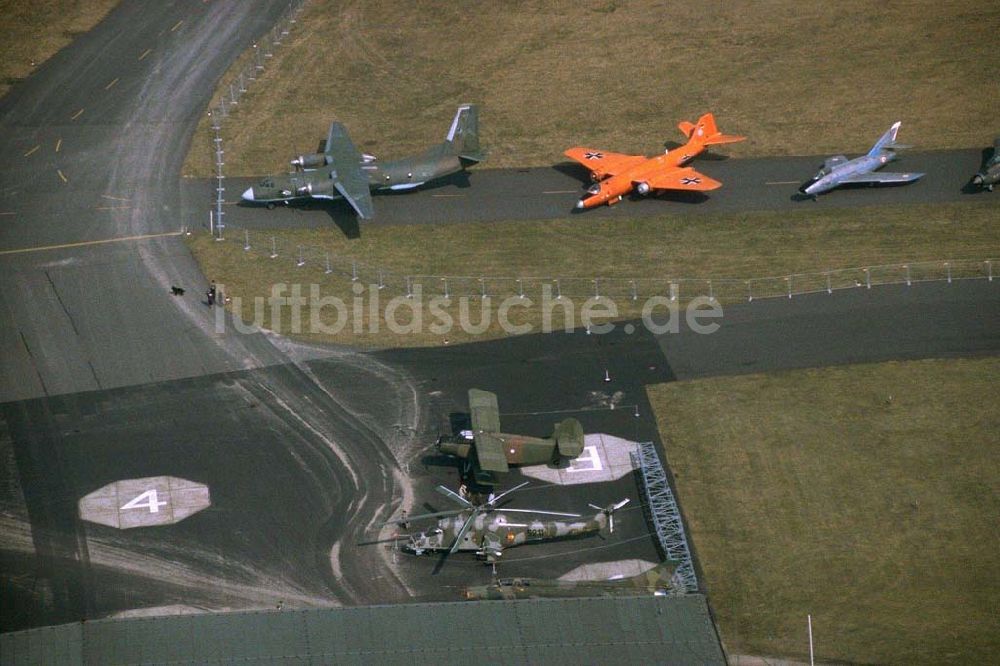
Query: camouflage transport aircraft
487,529
839,170
616,174
489,452
340,171
656,581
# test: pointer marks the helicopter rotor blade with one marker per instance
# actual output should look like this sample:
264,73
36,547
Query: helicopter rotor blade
451,494
462,532
545,513
595,507
621,504
508,492
422,516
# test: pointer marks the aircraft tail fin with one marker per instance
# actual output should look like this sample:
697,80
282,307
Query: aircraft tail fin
463,136
568,434
706,131
887,140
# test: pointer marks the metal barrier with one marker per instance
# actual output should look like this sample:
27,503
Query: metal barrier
666,516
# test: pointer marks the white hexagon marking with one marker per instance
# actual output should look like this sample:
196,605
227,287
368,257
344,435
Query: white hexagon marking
154,500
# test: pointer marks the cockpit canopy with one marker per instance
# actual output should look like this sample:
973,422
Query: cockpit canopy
594,189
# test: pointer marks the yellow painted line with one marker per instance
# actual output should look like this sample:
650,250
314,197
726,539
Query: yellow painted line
64,179
108,196
783,182
177,25
145,53
93,242
113,207
559,191
112,84
32,150
76,115
58,145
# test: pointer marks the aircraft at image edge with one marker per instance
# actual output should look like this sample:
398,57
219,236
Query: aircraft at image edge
989,175
616,174
340,171
839,170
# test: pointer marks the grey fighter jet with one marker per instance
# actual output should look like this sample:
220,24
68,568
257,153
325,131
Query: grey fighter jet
989,175
839,170
340,171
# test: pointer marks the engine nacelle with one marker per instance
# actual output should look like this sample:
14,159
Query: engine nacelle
314,161
642,188
315,189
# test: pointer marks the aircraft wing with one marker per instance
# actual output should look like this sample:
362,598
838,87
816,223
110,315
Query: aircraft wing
485,411
603,163
882,177
348,178
683,179
490,452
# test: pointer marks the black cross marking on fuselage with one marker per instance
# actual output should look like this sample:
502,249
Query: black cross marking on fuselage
593,156
690,181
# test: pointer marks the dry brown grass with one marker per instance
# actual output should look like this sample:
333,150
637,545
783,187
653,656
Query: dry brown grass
796,78
34,31
693,246
864,495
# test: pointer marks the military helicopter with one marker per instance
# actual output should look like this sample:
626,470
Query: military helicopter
487,530
657,581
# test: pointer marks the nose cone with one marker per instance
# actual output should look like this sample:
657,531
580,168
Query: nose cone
814,188
248,194
580,204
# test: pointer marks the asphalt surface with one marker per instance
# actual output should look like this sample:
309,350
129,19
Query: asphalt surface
493,195
106,376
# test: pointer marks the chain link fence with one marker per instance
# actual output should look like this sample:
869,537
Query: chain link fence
621,289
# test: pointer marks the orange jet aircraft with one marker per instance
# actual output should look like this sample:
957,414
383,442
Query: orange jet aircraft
616,174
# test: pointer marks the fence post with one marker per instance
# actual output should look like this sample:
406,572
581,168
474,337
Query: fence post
711,292
558,290
989,270
635,294
301,260
328,269
520,288
907,267
354,271
868,278
274,248
445,287
829,287
948,266
246,240
674,291
749,292
381,284
597,288
482,286
409,287
789,281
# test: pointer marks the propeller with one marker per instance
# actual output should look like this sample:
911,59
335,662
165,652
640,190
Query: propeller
609,511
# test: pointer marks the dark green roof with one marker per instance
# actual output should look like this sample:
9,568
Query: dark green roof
637,630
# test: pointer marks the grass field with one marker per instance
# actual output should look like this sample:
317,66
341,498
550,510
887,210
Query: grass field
688,246
796,78
34,31
864,495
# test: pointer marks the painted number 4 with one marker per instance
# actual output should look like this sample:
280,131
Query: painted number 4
146,500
